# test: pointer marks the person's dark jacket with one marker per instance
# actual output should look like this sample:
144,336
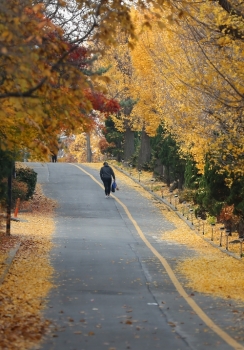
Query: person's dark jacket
106,172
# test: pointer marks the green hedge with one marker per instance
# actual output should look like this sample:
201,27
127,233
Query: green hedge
28,176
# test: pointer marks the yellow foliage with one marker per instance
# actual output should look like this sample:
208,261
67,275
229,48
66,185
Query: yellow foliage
183,67
78,148
192,86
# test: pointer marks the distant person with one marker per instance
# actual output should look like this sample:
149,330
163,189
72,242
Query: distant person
106,175
54,158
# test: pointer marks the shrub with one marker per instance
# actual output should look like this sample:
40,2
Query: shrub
28,176
186,195
19,190
211,220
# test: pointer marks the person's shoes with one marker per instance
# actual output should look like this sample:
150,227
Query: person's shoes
106,196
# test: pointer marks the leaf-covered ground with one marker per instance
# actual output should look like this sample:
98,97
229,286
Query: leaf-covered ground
210,270
22,295
29,279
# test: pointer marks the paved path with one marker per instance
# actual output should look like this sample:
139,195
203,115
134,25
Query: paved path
115,284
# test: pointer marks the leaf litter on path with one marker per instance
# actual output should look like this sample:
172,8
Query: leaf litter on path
23,292
210,271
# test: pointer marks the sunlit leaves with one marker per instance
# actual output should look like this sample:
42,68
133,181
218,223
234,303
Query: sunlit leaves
186,67
192,78
46,97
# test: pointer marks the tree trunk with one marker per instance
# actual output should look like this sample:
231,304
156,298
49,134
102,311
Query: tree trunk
129,146
9,201
240,229
145,150
181,181
167,175
120,151
88,148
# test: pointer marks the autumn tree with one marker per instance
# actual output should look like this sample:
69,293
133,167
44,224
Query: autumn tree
55,84
184,80
43,83
122,78
185,92
34,60
36,96
77,150
186,65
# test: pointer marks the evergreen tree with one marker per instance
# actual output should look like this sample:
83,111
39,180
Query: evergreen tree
114,138
213,190
166,150
191,175
236,196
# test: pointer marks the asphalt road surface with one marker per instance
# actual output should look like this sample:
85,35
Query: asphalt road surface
116,288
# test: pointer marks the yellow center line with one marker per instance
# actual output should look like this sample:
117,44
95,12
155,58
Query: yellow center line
195,307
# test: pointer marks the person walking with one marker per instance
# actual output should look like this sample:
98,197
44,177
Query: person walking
54,158
106,175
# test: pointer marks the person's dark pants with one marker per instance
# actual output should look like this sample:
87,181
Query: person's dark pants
107,185
54,158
